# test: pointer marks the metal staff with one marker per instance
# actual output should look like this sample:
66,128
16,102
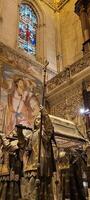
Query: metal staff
40,135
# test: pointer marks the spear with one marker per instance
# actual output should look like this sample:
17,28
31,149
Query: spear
40,134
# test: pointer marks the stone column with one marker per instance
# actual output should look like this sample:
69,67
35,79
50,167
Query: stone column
1,9
81,11
59,58
0,78
86,101
1,107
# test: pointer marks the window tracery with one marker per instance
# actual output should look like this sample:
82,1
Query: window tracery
27,28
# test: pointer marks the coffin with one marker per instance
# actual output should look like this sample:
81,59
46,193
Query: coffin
66,132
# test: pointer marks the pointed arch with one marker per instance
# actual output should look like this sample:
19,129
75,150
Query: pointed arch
40,17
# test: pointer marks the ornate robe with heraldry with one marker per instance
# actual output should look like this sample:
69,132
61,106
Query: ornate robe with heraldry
30,147
10,169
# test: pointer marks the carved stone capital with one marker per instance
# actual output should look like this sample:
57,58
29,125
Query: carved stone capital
81,5
78,6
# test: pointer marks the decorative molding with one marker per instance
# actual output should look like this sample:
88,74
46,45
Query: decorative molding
55,6
18,60
61,4
23,61
50,4
64,92
68,104
69,73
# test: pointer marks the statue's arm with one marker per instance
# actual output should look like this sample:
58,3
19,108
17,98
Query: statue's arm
4,141
24,143
21,138
48,126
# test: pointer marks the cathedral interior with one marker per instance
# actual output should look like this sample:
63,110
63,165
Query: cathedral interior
45,60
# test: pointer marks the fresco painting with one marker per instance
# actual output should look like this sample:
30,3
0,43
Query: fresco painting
20,96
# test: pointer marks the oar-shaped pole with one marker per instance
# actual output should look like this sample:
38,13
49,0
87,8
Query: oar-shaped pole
40,134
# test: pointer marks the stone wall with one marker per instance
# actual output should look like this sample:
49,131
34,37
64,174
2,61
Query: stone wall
71,34
64,92
9,18
60,39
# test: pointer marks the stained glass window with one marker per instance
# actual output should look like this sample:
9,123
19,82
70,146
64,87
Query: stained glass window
27,29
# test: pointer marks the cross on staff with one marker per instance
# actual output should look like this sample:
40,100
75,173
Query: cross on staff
40,134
